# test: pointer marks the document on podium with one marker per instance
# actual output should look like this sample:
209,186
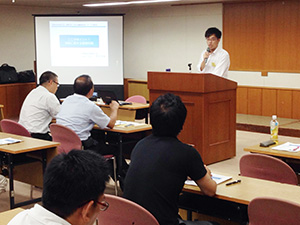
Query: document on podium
216,177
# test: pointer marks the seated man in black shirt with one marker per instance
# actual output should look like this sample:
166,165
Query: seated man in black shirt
160,164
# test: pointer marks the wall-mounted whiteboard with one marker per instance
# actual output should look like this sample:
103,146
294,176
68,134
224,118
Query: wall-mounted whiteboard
74,45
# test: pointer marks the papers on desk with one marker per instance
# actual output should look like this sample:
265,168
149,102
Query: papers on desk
216,177
7,141
125,124
220,178
288,146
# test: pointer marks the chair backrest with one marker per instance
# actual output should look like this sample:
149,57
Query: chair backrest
68,138
268,168
13,127
122,211
137,98
265,211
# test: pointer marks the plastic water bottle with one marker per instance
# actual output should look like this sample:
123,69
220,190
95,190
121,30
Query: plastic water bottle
274,125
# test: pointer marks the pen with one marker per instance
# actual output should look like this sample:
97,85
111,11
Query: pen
233,182
128,125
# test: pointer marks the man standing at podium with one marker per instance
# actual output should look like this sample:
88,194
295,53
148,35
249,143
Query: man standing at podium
214,59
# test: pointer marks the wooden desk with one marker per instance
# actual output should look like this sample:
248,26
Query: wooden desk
250,188
135,87
6,216
130,129
291,158
210,100
272,152
12,96
47,150
119,132
126,112
235,198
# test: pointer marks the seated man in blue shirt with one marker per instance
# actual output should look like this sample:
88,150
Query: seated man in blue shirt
160,164
80,114
66,199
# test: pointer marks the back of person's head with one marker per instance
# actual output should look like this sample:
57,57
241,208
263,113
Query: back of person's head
83,84
72,180
47,76
167,115
213,30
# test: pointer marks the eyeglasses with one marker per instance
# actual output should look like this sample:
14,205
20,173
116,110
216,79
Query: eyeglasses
103,205
211,39
56,83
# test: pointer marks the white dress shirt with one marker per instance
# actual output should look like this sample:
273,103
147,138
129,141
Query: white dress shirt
80,114
37,215
217,63
38,109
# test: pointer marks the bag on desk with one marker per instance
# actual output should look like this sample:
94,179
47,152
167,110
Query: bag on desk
26,76
8,74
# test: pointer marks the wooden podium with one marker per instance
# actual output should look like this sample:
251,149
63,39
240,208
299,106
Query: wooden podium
211,110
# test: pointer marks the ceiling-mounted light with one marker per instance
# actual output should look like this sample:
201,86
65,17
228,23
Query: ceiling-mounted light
126,3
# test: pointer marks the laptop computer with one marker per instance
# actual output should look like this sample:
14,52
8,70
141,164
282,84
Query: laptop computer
108,96
94,97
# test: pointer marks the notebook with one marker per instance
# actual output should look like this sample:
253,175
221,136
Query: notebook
108,96
216,177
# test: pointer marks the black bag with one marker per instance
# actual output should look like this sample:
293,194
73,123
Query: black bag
8,74
26,76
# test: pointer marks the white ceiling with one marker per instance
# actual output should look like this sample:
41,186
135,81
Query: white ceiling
79,3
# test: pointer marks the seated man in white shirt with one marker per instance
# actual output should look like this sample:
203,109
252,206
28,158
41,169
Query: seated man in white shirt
66,199
40,106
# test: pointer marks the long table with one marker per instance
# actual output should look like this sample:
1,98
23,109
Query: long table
230,202
120,132
126,112
46,151
6,216
291,158
272,152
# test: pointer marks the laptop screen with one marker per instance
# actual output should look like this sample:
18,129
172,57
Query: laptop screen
107,96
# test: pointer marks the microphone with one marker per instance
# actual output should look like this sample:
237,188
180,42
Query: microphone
190,66
208,50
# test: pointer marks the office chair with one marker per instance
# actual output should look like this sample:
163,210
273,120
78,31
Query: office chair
265,211
122,211
141,113
69,140
137,98
268,168
13,127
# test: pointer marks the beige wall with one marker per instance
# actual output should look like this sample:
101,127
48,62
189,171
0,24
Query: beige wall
17,34
166,37
154,39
